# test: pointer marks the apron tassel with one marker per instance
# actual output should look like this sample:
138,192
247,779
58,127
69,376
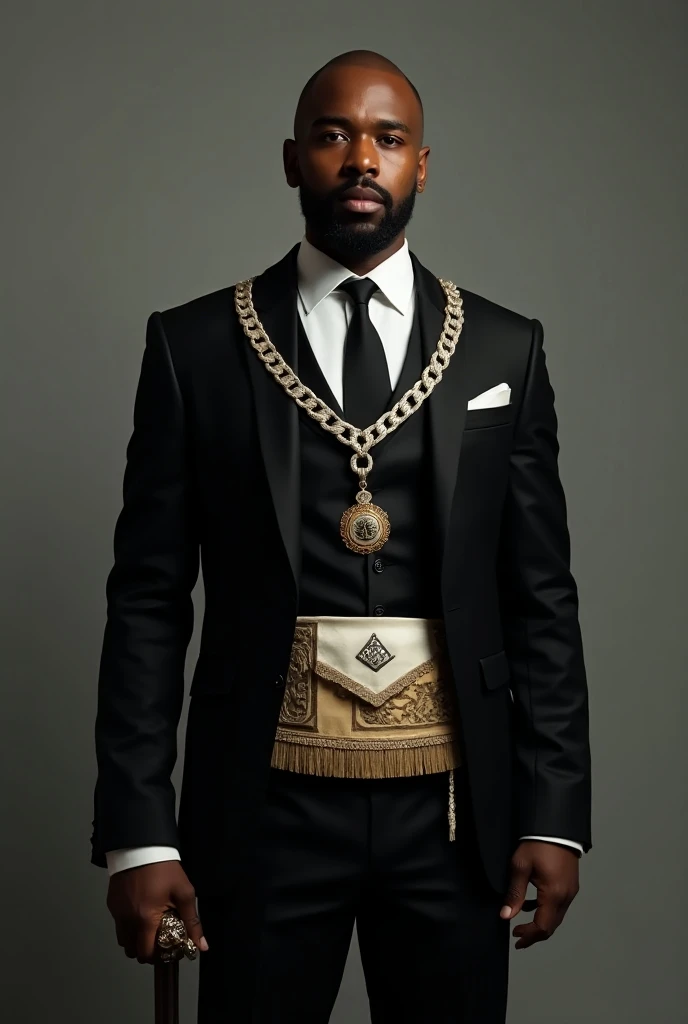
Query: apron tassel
451,813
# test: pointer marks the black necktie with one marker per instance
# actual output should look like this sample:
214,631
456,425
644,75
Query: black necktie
367,388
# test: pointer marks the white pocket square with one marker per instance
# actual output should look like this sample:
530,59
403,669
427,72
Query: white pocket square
500,394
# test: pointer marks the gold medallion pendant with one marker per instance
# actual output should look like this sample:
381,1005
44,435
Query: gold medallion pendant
364,527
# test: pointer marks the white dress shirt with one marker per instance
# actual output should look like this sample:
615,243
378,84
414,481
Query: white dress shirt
325,312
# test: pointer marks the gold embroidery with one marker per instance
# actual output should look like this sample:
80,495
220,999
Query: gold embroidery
355,744
333,675
298,705
419,704
329,724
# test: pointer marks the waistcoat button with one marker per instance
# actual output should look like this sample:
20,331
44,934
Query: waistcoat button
280,680
379,565
378,609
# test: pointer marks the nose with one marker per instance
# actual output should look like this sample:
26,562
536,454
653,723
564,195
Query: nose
362,158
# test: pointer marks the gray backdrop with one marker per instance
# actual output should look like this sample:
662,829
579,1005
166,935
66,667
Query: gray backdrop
143,148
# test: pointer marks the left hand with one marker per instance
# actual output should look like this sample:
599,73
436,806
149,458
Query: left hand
553,870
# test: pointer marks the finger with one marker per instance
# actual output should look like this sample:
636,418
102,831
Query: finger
126,936
145,941
186,905
548,917
518,886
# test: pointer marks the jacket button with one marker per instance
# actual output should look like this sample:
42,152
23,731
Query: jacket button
378,610
280,680
379,565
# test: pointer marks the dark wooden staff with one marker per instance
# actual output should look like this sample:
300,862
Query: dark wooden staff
172,944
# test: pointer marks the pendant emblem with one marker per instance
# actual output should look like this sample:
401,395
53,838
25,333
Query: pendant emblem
364,527
374,654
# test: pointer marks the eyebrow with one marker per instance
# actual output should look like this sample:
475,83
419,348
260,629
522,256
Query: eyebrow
344,122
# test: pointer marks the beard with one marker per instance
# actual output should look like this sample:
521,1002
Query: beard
348,234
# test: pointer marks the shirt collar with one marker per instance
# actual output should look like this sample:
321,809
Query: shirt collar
319,276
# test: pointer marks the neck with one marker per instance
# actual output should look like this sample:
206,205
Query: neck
359,265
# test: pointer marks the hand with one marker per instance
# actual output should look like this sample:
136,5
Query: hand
138,898
553,870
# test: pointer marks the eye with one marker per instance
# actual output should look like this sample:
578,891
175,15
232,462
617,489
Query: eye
328,135
391,139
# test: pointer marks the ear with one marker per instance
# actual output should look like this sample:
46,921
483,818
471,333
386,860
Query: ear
291,163
422,173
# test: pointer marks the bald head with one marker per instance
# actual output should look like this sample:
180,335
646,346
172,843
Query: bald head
351,59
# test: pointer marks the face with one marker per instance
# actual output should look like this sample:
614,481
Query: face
357,160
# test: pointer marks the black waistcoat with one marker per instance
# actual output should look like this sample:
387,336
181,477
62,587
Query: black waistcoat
403,578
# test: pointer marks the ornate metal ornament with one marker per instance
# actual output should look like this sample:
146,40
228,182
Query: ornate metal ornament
364,527
172,940
374,654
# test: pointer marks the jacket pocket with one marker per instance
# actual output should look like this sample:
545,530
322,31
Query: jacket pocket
496,671
495,416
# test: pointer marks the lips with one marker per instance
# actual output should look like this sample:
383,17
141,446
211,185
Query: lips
367,194
361,200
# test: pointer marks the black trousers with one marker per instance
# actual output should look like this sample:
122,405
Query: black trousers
375,851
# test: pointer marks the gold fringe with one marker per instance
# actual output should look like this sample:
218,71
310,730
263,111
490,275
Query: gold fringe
363,763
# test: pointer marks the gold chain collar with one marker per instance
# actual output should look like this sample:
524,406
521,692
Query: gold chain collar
364,527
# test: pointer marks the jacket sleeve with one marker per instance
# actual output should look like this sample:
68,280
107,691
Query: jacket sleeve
539,606
149,618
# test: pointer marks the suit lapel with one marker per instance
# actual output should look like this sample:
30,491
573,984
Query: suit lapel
274,298
446,406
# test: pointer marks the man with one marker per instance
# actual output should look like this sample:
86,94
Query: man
388,716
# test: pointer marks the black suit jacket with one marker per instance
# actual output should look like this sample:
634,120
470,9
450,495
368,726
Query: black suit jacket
213,467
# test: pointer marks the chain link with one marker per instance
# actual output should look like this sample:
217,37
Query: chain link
306,399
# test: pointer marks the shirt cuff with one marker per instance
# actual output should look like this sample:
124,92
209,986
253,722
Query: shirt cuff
137,856
561,842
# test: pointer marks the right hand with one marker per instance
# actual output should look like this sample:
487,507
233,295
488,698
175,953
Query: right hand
137,899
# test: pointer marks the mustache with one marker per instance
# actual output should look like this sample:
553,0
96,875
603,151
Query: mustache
365,183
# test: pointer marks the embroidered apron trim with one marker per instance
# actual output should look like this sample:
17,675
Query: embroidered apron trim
340,718
334,676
